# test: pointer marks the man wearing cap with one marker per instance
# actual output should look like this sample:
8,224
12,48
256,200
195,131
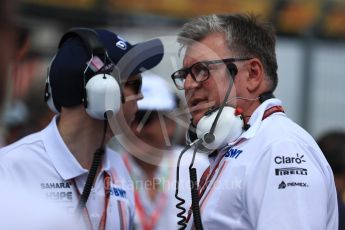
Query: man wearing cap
150,155
68,162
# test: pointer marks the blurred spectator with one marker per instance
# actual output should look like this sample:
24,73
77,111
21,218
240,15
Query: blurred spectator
27,115
151,154
332,145
25,110
7,33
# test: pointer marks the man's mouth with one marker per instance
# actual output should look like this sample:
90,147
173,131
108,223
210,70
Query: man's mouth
200,104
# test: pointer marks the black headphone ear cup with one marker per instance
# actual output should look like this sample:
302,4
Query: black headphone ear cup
50,101
102,93
232,68
48,97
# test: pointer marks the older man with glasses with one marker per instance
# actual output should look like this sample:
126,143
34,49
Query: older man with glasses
265,172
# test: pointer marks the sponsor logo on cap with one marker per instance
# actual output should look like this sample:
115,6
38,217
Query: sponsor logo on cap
121,44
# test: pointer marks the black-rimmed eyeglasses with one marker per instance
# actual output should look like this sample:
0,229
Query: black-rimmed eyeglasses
199,71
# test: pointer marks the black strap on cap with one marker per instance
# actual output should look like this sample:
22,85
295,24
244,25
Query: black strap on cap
89,38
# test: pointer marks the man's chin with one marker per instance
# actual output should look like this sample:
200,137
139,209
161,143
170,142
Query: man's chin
197,117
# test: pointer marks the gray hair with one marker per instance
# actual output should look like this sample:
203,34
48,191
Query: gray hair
245,35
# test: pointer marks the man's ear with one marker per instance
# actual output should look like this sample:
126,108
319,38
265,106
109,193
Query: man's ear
256,74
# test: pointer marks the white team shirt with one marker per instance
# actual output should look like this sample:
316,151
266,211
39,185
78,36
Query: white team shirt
275,177
162,210
42,164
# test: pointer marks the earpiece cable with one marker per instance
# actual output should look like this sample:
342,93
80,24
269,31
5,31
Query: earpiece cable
179,205
194,189
96,162
213,127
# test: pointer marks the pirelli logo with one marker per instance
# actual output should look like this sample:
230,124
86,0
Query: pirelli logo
291,171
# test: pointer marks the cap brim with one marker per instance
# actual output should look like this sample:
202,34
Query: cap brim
143,56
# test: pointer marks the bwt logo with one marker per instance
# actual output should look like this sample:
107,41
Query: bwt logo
289,160
117,192
233,153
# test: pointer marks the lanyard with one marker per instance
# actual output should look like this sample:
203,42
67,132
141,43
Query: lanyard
102,224
207,177
147,221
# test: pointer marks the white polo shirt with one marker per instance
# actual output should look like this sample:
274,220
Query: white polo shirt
42,163
274,177
161,212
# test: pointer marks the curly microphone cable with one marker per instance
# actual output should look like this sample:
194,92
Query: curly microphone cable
194,190
179,205
96,162
208,138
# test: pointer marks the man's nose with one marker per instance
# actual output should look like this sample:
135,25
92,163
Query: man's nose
140,96
189,83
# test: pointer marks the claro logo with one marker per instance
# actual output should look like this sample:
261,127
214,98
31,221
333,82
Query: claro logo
289,160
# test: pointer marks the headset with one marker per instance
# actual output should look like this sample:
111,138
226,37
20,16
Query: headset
102,93
222,124
219,126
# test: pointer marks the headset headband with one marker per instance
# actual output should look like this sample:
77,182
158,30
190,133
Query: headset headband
89,38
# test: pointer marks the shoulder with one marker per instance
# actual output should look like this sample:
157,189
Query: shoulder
21,158
279,135
22,147
293,165
284,150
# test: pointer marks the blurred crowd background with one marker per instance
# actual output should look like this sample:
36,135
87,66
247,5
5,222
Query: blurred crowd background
310,51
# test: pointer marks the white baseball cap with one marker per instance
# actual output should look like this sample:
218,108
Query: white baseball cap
158,95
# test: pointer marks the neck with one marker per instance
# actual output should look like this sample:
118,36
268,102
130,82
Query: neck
82,135
249,110
148,168
151,185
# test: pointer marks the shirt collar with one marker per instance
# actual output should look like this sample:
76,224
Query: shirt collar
256,118
63,160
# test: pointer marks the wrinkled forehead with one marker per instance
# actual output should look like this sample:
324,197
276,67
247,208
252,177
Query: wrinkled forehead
212,47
